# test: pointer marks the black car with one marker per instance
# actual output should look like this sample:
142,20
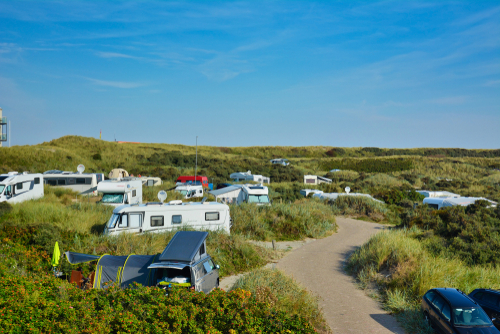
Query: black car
452,311
490,302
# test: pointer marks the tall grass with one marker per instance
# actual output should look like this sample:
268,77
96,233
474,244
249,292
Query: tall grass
405,270
274,288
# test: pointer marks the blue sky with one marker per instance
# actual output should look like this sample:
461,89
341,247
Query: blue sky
293,73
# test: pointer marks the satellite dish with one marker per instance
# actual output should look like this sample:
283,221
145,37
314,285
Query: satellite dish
162,195
80,168
347,189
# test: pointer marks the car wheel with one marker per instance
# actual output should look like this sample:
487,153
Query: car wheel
217,284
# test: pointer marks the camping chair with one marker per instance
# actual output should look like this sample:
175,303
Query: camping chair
90,282
76,277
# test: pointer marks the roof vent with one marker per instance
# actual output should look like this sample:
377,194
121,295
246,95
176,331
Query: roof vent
177,202
12,173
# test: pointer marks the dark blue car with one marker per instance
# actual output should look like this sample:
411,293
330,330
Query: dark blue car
450,311
490,302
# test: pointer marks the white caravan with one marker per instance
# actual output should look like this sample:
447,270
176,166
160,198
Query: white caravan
161,217
437,194
85,184
306,192
189,191
150,181
283,162
247,176
439,203
16,188
239,193
117,192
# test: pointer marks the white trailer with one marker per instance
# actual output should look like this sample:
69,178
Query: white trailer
240,193
439,203
16,188
161,217
189,191
437,194
115,192
150,181
248,176
84,184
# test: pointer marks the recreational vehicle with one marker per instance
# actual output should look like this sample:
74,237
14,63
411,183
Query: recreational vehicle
16,188
239,193
436,194
160,217
203,180
439,203
247,176
85,184
121,191
306,192
189,191
150,181
315,179
283,162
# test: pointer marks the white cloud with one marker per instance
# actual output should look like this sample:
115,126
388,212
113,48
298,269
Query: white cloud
116,84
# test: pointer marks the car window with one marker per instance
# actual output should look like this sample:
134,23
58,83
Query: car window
207,266
479,295
446,311
490,298
430,296
438,302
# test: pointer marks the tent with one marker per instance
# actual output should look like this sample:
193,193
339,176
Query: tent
117,172
123,270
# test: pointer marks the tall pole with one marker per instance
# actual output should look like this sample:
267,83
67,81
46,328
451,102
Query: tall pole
196,165
9,132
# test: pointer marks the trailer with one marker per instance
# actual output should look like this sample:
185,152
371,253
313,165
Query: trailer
16,188
115,192
248,176
189,191
161,217
440,202
84,184
242,193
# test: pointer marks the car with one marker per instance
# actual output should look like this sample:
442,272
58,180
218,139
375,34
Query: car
223,185
489,300
186,263
449,310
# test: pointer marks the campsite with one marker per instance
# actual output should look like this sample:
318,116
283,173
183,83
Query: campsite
390,191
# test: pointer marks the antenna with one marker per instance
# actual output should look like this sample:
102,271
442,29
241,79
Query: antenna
162,195
80,168
196,165
347,189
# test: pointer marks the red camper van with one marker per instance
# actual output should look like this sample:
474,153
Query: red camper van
199,178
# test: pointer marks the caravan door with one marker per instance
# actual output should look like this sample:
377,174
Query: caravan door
130,222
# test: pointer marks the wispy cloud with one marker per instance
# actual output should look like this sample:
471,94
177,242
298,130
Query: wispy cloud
115,55
449,100
491,83
117,84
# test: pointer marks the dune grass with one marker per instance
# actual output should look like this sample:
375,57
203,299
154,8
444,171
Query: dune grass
274,288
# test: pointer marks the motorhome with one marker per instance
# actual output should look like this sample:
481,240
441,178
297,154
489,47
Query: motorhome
283,162
439,203
150,181
203,180
248,176
316,179
239,193
437,194
160,217
189,191
306,192
85,184
115,192
16,188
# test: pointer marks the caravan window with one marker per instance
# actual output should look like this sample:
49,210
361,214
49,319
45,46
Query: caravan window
37,180
176,219
124,221
61,182
19,186
135,220
433,206
209,216
80,180
88,180
51,182
71,180
133,193
150,183
157,221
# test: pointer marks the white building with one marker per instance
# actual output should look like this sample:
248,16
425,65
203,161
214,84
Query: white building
248,176
315,179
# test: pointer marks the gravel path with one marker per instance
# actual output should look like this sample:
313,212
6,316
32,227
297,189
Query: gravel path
318,266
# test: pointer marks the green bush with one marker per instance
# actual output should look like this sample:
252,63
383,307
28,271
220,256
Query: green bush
369,165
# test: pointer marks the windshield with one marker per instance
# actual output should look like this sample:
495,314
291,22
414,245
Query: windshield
258,199
2,187
112,198
183,192
473,316
112,221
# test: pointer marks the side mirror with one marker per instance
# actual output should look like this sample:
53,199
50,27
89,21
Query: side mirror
217,266
493,319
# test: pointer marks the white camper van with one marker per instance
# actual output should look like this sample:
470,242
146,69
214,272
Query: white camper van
85,184
160,217
115,192
16,188
189,191
239,193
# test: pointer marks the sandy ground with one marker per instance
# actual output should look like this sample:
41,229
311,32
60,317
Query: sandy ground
319,266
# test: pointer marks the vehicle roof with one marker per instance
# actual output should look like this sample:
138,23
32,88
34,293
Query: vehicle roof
161,207
183,246
452,201
489,290
455,297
